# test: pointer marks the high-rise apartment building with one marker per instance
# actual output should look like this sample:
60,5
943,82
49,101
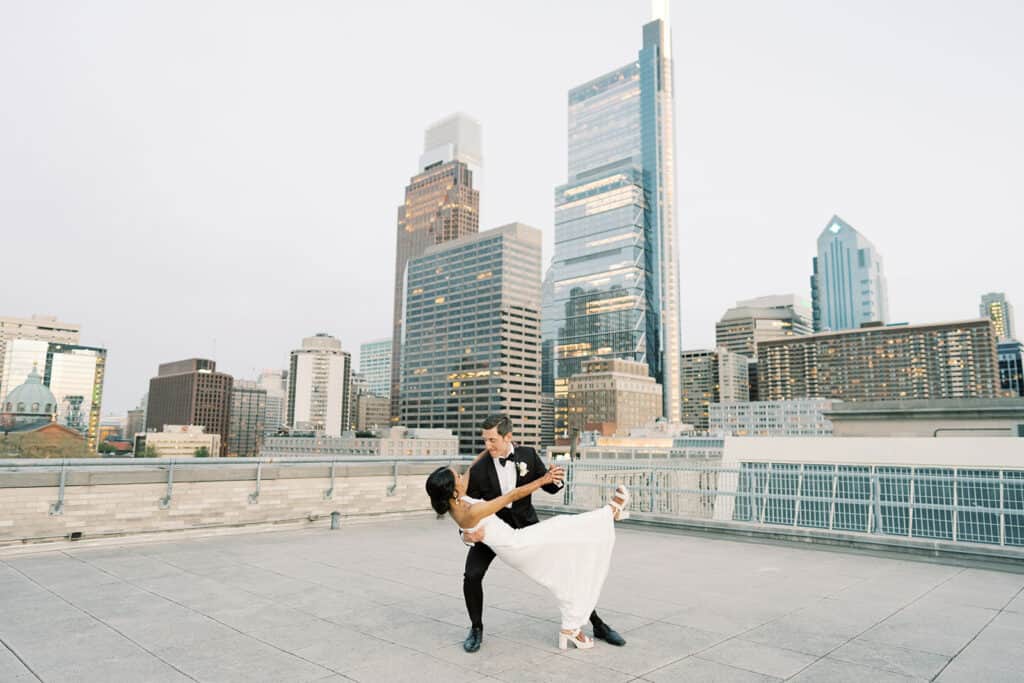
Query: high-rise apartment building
440,205
848,283
879,363
375,366
37,328
710,376
996,308
191,392
248,419
613,291
319,387
472,335
613,396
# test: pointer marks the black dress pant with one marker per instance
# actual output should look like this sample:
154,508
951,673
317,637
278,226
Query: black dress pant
478,559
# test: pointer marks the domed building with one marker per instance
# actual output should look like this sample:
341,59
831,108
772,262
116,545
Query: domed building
28,427
30,404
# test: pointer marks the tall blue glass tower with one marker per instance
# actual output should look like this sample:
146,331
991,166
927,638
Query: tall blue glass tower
613,286
848,284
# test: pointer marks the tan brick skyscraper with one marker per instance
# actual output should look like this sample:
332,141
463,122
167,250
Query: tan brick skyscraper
440,205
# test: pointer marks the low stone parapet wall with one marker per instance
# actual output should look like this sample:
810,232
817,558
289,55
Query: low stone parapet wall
118,499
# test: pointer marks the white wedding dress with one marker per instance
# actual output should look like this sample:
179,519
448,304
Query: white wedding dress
567,554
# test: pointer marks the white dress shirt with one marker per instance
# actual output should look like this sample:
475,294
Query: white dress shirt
506,473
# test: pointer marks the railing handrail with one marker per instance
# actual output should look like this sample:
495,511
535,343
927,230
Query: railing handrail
71,463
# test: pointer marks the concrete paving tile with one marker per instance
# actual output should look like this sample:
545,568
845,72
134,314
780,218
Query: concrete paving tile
765,659
979,588
698,669
173,627
830,670
239,658
931,628
379,618
257,616
649,647
560,669
412,668
496,655
136,668
967,671
10,665
422,637
913,663
725,616
799,637
345,650
448,609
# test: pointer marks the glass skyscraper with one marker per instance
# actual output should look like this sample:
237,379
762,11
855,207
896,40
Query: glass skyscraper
612,290
848,280
375,366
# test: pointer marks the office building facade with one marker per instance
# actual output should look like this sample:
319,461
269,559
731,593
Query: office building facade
191,393
440,205
472,336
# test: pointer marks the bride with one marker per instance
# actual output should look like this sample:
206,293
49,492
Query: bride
567,554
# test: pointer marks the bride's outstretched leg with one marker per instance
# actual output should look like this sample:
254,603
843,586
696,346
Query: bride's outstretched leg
619,502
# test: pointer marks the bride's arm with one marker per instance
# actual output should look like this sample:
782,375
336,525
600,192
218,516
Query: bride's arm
478,511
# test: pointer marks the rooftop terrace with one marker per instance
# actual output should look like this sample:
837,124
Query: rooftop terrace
381,601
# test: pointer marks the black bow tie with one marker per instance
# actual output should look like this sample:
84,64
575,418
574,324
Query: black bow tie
502,461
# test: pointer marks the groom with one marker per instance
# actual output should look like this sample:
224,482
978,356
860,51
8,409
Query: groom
507,467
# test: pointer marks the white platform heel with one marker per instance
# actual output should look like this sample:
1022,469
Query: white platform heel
620,502
578,638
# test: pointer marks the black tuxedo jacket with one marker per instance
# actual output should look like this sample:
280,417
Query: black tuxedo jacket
483,484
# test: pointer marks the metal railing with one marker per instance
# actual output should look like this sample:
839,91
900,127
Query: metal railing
247,469
952,504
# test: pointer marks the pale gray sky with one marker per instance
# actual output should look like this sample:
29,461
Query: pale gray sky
174,173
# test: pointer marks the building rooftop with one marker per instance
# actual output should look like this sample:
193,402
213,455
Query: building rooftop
382,601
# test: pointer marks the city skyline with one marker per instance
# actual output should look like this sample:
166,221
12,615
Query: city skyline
129,193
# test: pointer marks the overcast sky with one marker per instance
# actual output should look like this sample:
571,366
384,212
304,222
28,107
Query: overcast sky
220,179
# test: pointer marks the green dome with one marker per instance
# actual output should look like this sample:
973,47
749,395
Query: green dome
31,398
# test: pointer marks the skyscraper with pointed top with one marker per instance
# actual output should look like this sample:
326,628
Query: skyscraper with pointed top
848,286
613,287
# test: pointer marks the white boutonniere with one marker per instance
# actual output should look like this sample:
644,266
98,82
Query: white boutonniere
522,468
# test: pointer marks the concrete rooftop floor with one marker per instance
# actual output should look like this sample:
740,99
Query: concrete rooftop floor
382,601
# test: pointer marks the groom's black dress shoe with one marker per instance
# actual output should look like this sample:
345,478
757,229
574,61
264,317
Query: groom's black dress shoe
609,635
473,640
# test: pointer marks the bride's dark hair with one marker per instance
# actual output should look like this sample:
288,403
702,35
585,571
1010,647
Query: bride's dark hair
441,488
